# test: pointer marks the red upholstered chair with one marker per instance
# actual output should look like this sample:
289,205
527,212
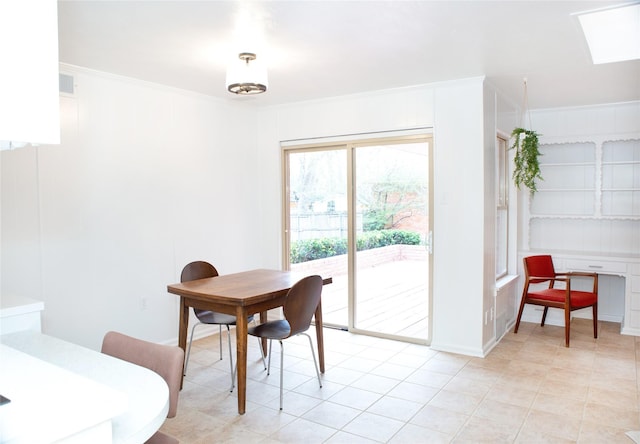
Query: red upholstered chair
539,269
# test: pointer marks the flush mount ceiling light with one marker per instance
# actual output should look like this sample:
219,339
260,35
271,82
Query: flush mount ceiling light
613,34
247,78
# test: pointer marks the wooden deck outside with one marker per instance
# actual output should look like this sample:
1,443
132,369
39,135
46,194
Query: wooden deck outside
392,299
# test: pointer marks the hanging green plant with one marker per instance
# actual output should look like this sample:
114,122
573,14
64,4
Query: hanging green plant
526,166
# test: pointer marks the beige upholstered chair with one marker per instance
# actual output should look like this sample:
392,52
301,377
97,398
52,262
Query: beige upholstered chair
165,360
299,306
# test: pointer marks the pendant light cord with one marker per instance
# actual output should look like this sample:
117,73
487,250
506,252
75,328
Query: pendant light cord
525,106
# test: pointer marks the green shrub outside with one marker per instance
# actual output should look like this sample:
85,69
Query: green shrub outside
311,249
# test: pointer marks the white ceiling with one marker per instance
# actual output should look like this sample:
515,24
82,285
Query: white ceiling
318,49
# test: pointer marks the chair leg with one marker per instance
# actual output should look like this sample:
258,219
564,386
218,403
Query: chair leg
544,316
595,320
315,362
281,365
281,370
186,361
235,369
515,330
567,325
262,353
233,373
220,338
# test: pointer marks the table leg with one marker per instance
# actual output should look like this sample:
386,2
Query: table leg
183,324
320,335
241,359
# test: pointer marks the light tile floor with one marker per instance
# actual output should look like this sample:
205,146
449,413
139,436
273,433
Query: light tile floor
530,389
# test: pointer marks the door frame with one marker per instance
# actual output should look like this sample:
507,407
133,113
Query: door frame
350,144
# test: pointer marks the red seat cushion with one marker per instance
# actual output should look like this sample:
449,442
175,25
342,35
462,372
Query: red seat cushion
578,298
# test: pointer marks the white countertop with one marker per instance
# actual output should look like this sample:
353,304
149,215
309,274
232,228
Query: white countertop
70,383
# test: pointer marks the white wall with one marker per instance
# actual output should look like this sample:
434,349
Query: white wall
606,120
145,180
455,111
500,115
149,178
458,218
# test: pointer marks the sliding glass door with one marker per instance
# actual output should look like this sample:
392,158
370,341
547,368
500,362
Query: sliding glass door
317,231
360,212
392,262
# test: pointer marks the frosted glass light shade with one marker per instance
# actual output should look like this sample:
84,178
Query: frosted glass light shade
29,97
247,75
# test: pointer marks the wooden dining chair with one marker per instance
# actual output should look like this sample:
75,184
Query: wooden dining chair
202,270
299,306
165,360
540,270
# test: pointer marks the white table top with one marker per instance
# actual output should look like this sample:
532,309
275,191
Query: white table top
49,403
142,396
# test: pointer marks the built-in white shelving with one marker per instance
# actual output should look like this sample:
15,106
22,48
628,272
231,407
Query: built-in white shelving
621,178
586,213
589,198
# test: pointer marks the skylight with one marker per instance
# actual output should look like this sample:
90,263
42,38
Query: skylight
613,34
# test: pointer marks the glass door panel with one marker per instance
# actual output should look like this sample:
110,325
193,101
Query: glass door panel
316,198
391,200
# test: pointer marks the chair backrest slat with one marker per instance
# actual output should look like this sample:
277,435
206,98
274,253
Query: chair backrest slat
198,270
541,265
301,303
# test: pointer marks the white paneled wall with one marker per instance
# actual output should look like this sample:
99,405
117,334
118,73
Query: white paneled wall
455,111
146,179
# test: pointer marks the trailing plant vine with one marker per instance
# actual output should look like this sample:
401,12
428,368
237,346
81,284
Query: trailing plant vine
526,166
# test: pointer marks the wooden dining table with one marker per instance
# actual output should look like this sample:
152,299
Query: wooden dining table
241,294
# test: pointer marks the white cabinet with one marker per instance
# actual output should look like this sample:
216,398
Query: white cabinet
631,323
19,314
30,110
597,266
627,268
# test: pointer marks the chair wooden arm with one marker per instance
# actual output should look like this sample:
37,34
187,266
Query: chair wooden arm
549,278
581,273
588,274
